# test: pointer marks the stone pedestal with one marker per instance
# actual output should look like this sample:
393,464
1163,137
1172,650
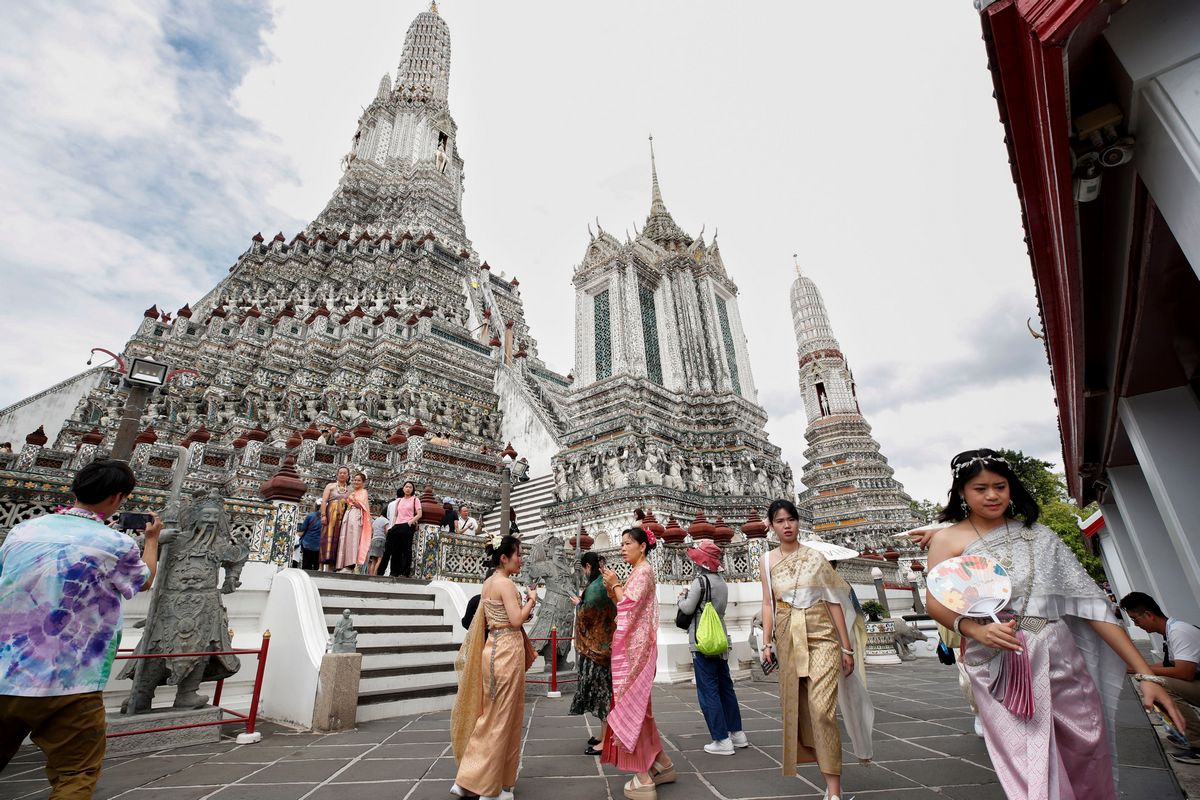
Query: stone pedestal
148,742
336,707
880,647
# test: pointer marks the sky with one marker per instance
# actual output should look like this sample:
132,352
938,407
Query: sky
144,143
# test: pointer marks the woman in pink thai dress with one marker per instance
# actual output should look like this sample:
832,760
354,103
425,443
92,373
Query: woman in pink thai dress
631,740
355,537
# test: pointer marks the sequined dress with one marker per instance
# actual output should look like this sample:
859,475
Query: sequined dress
1067,749
486,722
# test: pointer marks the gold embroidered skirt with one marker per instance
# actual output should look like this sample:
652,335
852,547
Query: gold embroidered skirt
809,656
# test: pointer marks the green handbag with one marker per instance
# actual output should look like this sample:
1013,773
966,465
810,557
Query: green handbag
710,633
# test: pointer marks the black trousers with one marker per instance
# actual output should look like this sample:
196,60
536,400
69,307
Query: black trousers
397,551
309,559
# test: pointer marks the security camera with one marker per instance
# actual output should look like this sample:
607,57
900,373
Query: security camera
1118,153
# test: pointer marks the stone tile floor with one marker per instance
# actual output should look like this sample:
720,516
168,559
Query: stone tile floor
925,748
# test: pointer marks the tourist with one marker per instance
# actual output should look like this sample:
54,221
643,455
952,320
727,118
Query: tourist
1048,703
631,742
449,516
1181,654
714,686
465,525
485,726
404,513
355,537
333,508
595,623
379,529
63,578
310,539
512,522
805,631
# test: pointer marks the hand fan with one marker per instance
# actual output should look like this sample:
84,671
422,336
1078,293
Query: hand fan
975,586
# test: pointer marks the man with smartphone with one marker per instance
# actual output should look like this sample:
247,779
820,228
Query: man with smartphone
63,578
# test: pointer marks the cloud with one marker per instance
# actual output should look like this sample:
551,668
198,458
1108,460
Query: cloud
130,178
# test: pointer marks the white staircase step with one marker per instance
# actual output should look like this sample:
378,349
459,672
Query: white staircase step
387,657
394,603
421,675
368,618
385,636
403,702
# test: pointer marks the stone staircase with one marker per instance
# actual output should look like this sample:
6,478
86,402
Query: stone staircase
407,643
528,499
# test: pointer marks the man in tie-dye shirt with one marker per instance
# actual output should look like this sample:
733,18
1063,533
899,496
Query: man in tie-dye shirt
63,578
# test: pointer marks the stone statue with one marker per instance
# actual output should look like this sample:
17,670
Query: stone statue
186,613
906,636
344,638
549,561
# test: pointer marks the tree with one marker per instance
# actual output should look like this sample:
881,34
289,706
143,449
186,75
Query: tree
1059,512
925,510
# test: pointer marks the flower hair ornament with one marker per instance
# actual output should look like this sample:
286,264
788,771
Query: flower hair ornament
984,460
496,540
650,537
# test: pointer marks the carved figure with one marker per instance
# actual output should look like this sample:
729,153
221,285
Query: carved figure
906,636
344,638
186,613
548,561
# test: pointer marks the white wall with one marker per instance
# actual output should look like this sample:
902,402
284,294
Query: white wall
521,425
49,408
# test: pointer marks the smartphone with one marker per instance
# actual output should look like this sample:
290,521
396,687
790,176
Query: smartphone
770,665
133,521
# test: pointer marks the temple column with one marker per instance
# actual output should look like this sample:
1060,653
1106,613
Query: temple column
1163,428
1124,568
1165,573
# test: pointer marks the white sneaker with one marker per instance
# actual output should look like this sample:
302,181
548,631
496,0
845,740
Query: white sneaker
721,748
458,791
739,739
506,794
978,728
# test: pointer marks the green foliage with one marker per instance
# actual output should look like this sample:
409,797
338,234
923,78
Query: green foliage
1045,486
874,610
1059,512
926,510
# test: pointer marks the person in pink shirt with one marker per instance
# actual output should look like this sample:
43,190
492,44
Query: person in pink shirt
403,514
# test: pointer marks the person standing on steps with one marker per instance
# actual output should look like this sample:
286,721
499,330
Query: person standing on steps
404,513
485,725
631,741
714,686
310,540
333,508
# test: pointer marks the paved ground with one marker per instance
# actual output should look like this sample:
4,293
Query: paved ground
924,748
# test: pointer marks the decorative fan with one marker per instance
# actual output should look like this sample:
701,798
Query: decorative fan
976,586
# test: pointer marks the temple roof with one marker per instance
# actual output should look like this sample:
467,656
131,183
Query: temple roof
660,227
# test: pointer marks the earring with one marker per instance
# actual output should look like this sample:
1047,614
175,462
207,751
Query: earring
966,509
1012,508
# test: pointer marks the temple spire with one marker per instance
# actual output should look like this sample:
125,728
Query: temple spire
660,227
796,261
656,202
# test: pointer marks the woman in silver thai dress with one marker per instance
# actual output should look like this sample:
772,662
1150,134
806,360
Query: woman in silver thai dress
1046,680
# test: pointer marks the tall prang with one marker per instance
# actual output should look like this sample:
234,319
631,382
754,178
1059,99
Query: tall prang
374,337
850,490
664,411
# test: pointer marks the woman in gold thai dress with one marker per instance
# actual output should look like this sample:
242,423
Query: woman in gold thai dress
333,508
804,628
485,726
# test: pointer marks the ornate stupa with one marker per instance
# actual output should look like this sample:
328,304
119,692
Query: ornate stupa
664,412
374,337
849,489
